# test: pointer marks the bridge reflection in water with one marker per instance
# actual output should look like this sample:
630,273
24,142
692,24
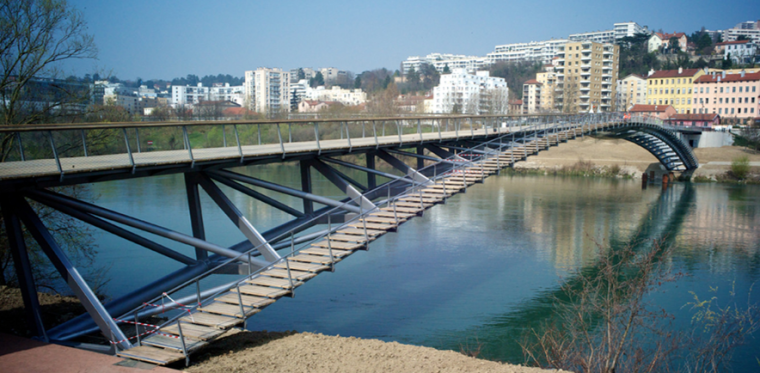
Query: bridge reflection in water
450,153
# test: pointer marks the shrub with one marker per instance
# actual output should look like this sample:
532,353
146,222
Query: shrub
740,167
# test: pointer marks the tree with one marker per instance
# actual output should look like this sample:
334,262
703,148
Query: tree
301,75
673,45
35,37
446,69
742,37
727,63
317,80
358,82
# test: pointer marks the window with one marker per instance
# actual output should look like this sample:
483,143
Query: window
734,90
740,89
721,89
721,100
732,110
733,100
707,90
688,102
720,111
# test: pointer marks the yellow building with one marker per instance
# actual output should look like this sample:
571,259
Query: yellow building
672,87
548,80
587,76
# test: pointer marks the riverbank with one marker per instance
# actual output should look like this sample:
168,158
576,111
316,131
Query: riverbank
309,352
246,351
601,156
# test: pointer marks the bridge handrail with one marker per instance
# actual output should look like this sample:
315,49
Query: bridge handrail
291,233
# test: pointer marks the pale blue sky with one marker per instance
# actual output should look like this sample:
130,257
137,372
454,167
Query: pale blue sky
167,39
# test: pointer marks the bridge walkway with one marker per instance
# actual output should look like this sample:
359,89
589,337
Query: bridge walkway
207,322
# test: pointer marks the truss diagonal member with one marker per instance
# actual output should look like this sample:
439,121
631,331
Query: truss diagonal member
259,196
237,217
70,274
421,156
48,196
403,167
121,232
281,189
342,184
366,169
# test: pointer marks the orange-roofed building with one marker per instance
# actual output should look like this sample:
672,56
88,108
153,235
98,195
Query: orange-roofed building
660,111
728,95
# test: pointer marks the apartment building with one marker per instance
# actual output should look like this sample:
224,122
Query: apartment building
628,29
531,97
348,97
750,29
606,36
548,80
440,61
631,90
461,92
188,95
586,77
728,95
225,92
542,51
672,87
267,90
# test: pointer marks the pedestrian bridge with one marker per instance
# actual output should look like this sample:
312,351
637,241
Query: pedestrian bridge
448,155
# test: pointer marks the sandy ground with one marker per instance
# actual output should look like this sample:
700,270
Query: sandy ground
308,352
632,158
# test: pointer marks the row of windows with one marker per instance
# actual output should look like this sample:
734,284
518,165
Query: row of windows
733,89
671,81
719,100
677,91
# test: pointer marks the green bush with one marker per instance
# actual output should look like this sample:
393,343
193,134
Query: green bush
740,167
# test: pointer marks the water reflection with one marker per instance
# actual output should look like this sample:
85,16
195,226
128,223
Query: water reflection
485,265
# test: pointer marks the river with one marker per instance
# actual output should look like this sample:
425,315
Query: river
476,270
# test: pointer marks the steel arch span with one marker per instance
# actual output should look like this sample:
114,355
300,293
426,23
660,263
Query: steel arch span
661,142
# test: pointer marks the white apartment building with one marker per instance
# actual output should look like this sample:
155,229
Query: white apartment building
308,73
225,92
543,51
470,94
267,91
348,97
188,95
298,89
628,29
606,36
740,51
750,29
441,60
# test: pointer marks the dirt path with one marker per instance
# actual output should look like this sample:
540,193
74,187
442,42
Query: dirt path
308,352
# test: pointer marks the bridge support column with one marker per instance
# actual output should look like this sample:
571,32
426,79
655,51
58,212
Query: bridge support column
70,274
371,178
308,205
23,267
420,160
196,215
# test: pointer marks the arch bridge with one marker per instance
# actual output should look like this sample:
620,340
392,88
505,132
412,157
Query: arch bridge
427,160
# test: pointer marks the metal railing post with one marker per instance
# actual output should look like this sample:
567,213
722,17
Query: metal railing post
224,136
55,154
258,128
329,244
84,144
21,147
279,137
129,150
137,137
189,148
184,346
237,139
316,137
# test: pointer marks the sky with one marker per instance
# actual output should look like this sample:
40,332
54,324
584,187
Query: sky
162,39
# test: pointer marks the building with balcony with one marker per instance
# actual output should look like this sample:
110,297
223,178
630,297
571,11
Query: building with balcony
732,96
586,77
672,87
531,97
628,29
464,93
267,91
541,51
606,36
548,80
749,29
188,95
631,90
441,60
348,97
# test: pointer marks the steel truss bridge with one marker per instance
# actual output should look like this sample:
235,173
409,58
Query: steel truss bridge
449,154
